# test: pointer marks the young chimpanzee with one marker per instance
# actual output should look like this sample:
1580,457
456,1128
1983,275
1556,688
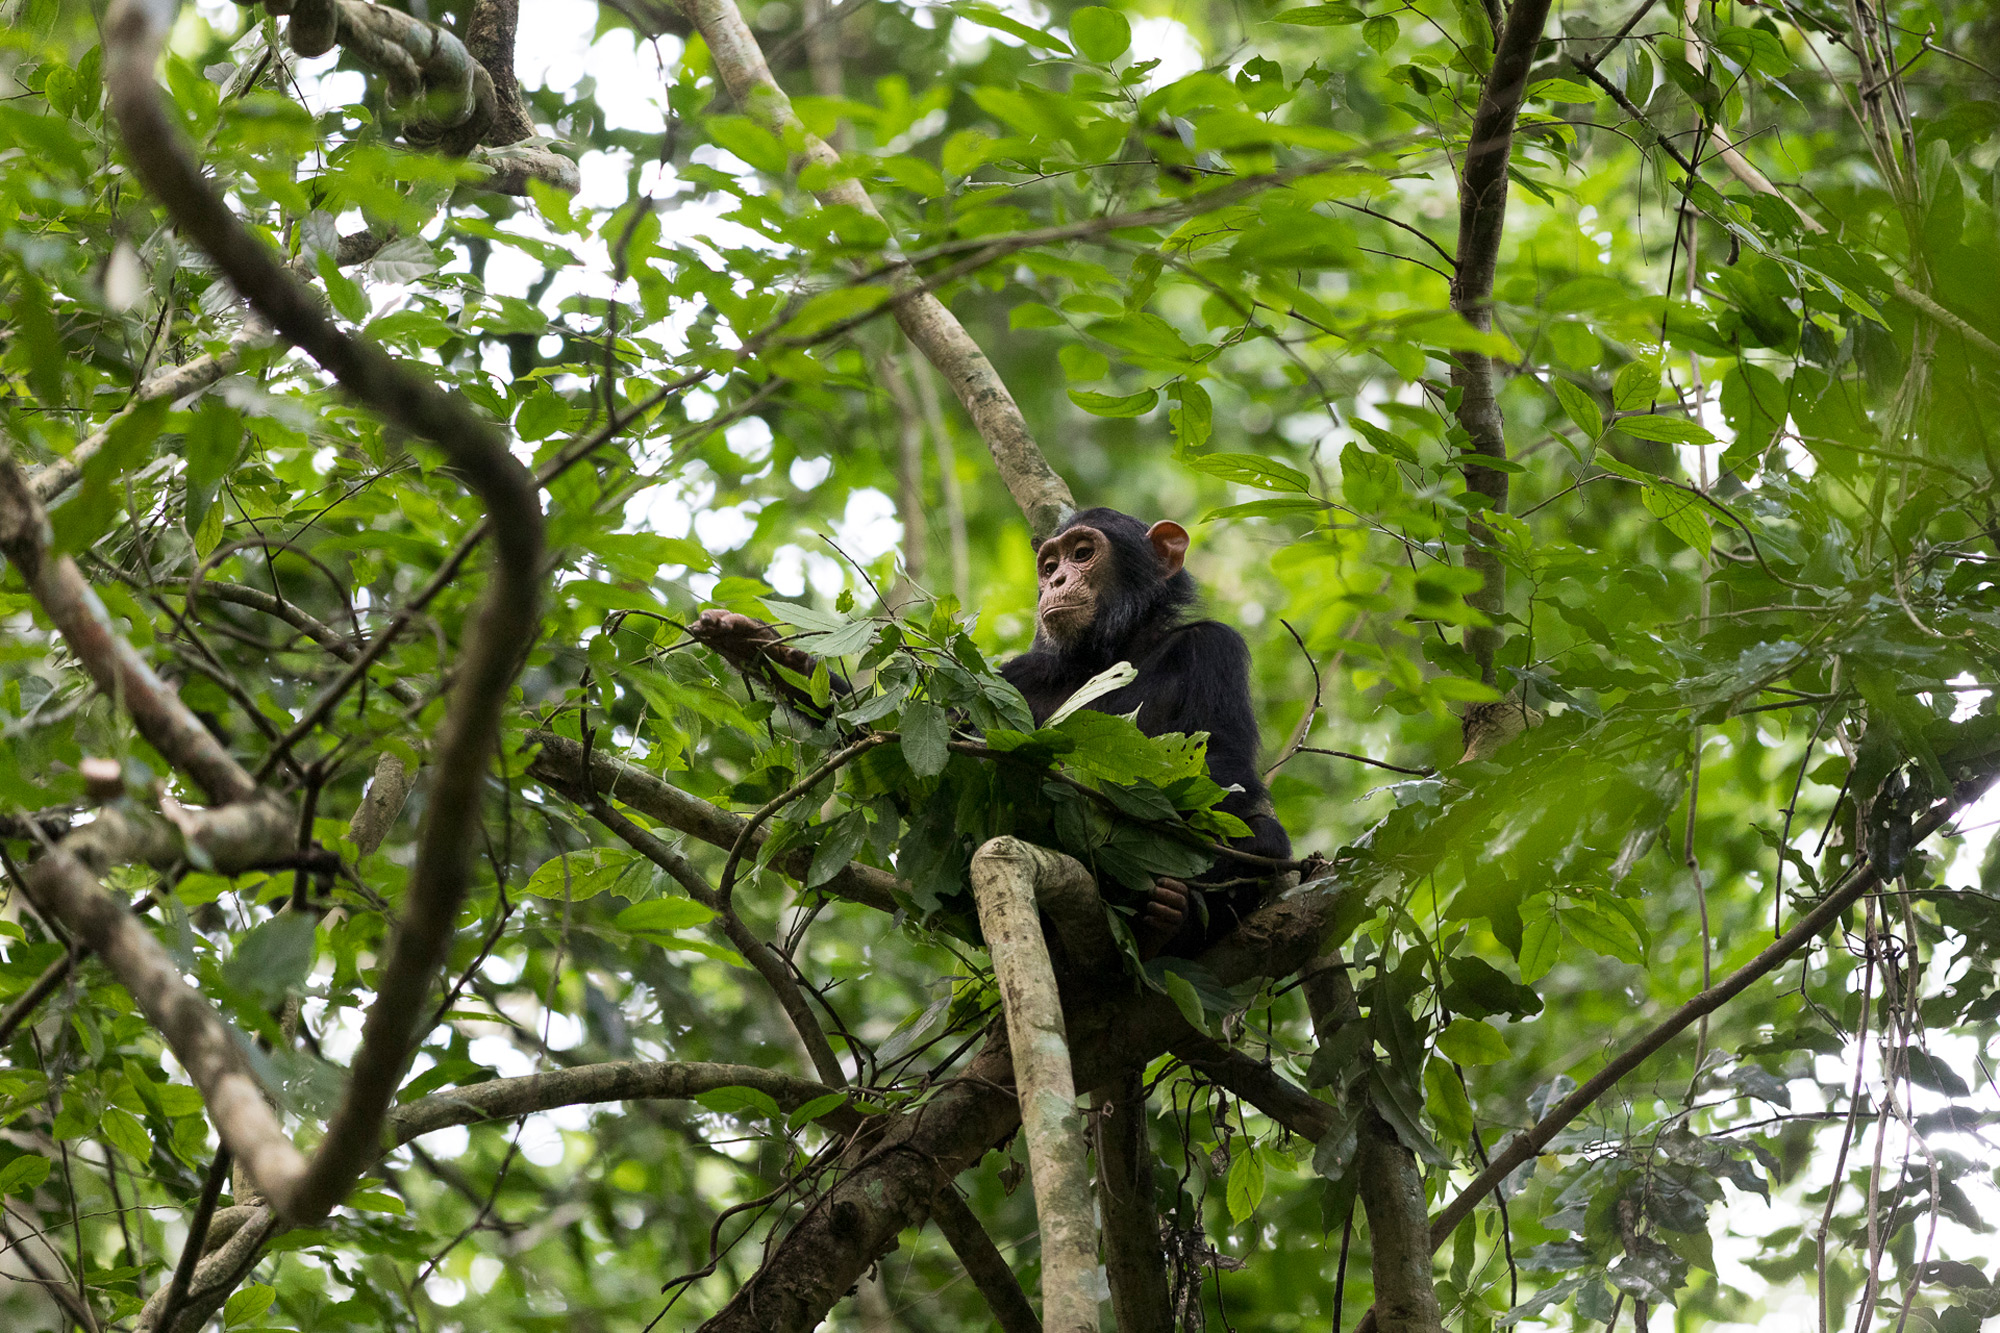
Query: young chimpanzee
1113,590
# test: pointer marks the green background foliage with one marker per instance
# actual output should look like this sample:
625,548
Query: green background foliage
1750,544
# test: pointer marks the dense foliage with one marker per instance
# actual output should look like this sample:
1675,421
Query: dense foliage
1751,551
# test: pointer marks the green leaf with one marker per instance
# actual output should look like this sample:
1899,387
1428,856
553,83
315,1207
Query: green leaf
741,1102
1602,933
1563,90
815,1109
1246,1183
122,1130
1251,470
23,1174
663,916
78,524
925,737
827,308
272,957
1636,385
1380,32
1579,407
214,439
584,875
1108,681
838,843
988,17
1277,508
749,141
1684,514
1110,405
247,1304
1665,429
1468,1041
1320,16
376,1201
1190,414
1082,364
1186,998
1100,34
343,291
1034,315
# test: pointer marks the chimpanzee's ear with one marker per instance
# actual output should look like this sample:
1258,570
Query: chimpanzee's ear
1170,542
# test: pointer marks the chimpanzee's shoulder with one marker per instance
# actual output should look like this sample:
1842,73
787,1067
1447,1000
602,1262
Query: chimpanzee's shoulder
1199,636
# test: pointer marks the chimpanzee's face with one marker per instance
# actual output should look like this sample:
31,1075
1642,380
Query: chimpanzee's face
1074,569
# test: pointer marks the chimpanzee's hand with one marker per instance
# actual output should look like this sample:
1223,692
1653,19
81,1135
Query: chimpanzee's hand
1160,920
744,641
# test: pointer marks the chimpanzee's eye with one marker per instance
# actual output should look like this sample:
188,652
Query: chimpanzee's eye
1084,550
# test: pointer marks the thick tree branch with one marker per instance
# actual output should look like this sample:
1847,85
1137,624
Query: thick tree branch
914,1156
489,38
1006,873
1135,1263
504,621
1482,220
982,1262
1042,495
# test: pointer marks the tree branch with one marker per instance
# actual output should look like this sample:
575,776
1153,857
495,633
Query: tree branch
113,664
982,1262
504,620
1482,220
1006,873
760,955
1135,1263
561,762
504,1098
1110,1028
1863,879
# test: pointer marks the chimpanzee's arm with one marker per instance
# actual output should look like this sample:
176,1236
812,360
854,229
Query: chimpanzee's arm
1198,679
753,647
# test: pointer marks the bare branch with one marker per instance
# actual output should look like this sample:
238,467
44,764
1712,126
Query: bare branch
982,1262
561,761
1135,1263
1006,874
1482,219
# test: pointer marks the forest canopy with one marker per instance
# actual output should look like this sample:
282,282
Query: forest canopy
1588,416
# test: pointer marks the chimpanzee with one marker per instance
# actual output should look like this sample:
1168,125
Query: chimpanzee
1114,590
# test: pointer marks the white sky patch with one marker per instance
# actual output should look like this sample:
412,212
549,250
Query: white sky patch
749,439
793,567
869,529
807,473
1168,41
727,528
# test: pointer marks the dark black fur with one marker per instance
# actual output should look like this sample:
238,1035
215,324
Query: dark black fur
1193,676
